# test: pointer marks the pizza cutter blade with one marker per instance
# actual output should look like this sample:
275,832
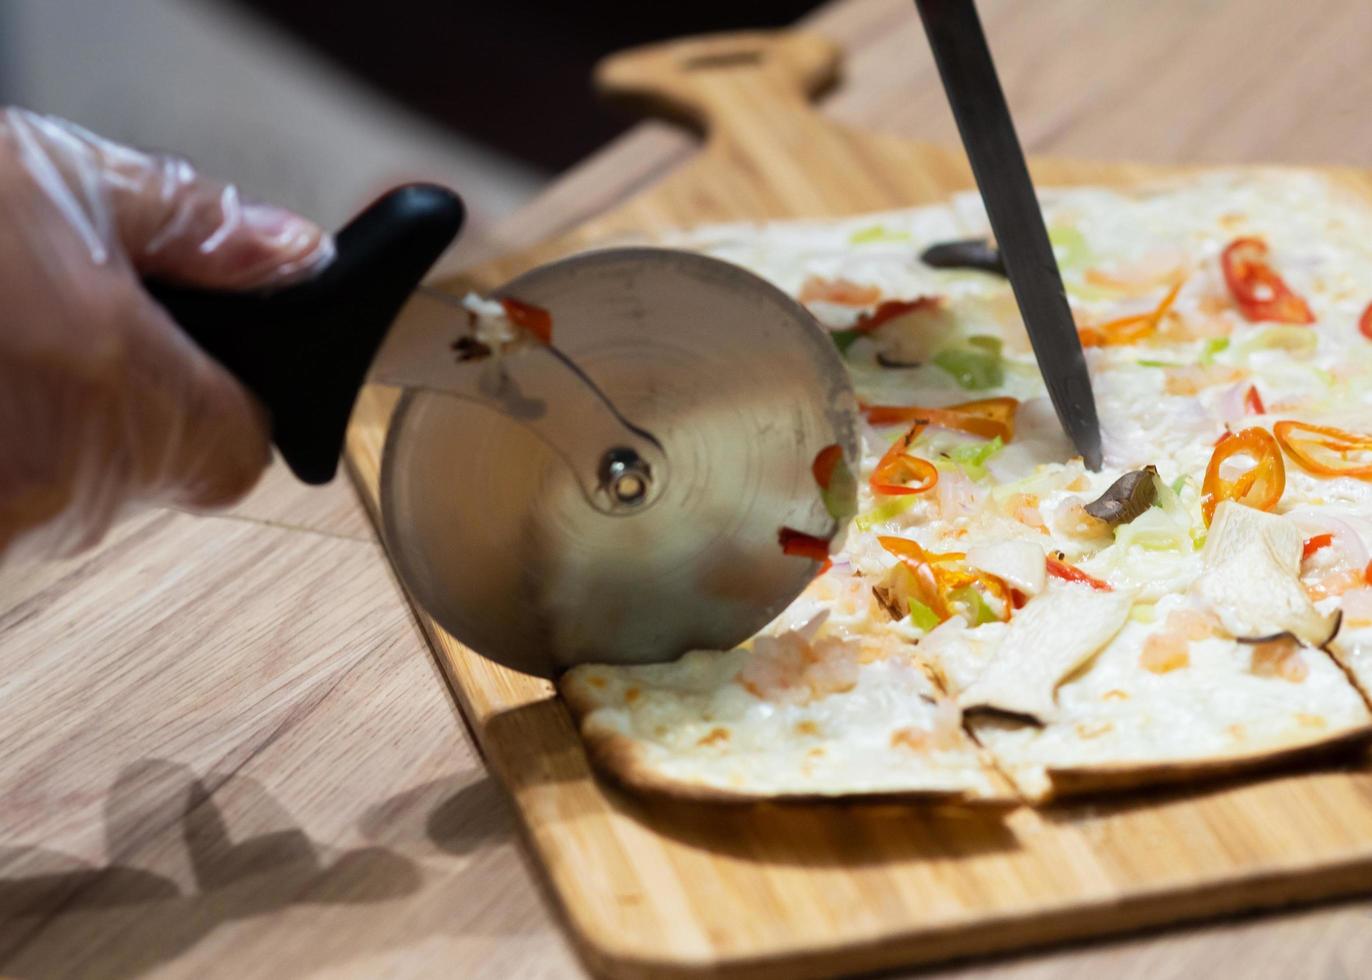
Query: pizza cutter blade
617,495
491,522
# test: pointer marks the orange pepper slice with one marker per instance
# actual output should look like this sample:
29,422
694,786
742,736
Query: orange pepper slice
897,469
1130,329
985,417
935,582
1344,453
1259,486
905,548
920,564
1258,291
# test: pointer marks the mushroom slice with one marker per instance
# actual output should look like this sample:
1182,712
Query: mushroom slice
1020,563
965,253
1251,577
1048,640
895,361
1126,498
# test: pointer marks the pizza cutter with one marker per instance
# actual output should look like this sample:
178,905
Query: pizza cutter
618,495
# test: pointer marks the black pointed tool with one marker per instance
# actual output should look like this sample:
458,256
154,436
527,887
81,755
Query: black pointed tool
988,135
306,349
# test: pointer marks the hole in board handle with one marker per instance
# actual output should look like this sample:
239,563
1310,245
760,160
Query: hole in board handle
722,59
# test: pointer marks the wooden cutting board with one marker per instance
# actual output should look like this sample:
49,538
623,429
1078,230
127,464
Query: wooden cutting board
657,888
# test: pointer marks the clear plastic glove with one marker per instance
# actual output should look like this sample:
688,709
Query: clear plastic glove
104,403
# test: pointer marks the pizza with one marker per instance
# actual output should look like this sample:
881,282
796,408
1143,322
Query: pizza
996,622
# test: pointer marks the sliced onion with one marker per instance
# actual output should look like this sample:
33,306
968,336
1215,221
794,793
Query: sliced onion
958,496
1357,606
1231,404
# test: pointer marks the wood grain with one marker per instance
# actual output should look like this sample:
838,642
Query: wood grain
371,753
655,888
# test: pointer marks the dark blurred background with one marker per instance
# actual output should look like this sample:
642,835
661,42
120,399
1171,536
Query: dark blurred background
514,73
321,103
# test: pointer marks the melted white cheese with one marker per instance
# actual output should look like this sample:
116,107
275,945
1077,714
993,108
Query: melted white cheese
1162,401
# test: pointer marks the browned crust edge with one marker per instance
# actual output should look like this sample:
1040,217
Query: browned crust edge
619,758
579,702
1078,781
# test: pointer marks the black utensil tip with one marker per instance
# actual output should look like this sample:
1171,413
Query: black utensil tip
1076,412
964,62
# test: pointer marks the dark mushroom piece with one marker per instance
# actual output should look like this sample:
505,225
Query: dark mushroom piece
887,361
966,253
1127,497
886,598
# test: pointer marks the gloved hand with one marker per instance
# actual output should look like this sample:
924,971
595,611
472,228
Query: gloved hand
104,403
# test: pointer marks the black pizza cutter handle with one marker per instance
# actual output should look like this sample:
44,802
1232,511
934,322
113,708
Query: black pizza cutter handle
304,349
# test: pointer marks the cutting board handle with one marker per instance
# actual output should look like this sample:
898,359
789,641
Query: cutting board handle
725,83
751,93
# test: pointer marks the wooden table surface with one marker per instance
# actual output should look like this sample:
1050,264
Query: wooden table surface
228,750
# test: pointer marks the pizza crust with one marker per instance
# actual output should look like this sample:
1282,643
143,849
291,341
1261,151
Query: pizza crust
1121,725
691,730
1084,781
622,760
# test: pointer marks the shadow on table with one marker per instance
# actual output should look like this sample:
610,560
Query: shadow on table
456,814
43,900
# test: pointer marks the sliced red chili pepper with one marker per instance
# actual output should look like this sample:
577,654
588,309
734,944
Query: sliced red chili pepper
1315,543
1365,322
823,466
1259,487
986,417
893,308
1325,450
898,472
1367,573
534,319
1252,402
804,545
1258,291
1071,573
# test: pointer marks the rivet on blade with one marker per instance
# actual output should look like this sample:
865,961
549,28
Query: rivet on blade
627,477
